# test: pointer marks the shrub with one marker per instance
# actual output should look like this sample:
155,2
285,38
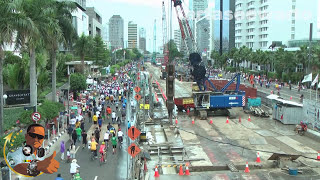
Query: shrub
271,75
231,69
77,82
16,141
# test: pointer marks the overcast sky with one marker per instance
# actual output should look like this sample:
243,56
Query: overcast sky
142,12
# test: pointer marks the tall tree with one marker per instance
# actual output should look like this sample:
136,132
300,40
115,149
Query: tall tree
99,52
12,18
42,16
61,31
82,48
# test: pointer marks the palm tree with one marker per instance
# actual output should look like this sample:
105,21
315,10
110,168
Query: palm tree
82,47
302,56
42,15
12,18
60,31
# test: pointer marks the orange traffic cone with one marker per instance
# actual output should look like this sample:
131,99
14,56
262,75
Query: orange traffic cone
187,171
188,111
271,92
156,173
192,121
227,120
290,97
181,171
239,119
249,119
247,168
211,122
318,156
176,121
258,158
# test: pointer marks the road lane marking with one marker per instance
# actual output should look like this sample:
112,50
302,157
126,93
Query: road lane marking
77,149
95,178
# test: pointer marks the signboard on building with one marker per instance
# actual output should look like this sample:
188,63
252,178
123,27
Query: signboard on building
18,97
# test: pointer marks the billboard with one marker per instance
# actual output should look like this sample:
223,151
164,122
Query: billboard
18,97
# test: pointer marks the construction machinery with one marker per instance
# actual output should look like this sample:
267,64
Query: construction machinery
205,101
164,73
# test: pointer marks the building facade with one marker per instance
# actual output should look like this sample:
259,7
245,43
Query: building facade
95,22
228,31
177,38
132,35
260,23
200,24
116,32
142,40
80,19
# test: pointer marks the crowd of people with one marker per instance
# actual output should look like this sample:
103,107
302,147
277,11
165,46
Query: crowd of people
106,103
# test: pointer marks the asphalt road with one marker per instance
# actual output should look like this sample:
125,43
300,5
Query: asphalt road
285,92
114,168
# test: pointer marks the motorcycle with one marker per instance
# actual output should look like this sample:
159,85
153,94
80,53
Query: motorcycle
301,129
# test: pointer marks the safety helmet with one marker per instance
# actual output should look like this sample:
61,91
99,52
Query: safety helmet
103,143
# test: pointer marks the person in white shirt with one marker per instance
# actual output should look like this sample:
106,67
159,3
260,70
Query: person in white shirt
106,138
113,115
120,135
73,167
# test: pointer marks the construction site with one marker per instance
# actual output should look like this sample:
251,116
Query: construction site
220,128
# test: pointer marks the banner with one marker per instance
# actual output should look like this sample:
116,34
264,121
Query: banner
18,97
315,80
307,78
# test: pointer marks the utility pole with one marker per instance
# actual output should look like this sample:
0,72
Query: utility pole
68,91
310,46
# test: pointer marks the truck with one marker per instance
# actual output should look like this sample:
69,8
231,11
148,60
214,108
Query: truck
183,99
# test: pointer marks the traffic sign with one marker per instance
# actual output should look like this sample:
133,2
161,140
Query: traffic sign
133,150
137,97
133,133
36,116
144,106
137,89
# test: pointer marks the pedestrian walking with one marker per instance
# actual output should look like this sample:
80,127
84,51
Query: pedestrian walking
89,115
100,122
62,148
84,138
73,167
74,137
82,125
97,134
73,151
79,131
70,129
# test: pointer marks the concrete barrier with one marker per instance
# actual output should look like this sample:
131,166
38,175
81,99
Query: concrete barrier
313,135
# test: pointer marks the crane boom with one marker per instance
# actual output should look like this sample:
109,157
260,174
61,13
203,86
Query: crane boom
164,31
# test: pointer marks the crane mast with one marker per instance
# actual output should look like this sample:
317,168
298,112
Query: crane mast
164,32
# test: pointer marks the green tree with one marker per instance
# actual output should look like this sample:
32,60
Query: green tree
12,19
83,47
99,52
137,53
61,31
173,51
77,82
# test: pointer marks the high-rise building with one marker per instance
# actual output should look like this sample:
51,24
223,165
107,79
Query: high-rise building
177,38
80,19
142,40
116,32
228,32
260,23
95,22
200,24
132,35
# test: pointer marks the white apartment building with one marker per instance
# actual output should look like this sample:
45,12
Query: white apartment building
177,38
132,35
259,23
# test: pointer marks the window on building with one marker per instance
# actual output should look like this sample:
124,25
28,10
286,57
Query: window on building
292,36
293,28
293,7
293,21
300,68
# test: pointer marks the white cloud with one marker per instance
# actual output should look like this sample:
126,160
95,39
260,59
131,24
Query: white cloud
148,3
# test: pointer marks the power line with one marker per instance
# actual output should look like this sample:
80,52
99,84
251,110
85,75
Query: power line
247,148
